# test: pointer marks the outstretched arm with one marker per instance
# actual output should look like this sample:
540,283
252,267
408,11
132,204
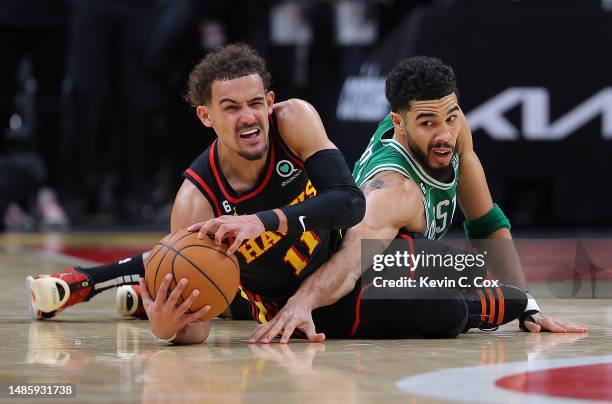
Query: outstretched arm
502,259
337,277
475,201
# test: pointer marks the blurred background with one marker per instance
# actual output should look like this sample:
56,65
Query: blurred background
94,133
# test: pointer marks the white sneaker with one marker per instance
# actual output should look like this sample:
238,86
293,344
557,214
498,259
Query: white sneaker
50,294
129,303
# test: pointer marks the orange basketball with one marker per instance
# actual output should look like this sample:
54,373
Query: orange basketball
207,267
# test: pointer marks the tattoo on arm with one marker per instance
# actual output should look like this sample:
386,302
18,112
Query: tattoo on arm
376,183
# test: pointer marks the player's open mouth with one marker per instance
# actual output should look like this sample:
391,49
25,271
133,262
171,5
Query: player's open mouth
249,133
442,152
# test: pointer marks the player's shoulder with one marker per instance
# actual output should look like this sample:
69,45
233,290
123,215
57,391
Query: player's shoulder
293,114
301,128
381,156
292,108
190,206
395,194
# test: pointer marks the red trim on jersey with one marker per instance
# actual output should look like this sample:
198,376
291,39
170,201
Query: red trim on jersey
357,307
255,309
211,158
200,181
411,248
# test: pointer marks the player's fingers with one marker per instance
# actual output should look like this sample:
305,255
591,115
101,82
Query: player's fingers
186,305
311,333
261,330
576,328
273,332
571,327
237,243
162,292
533,327
207,227
195,227
552,326
144,293
177,292
222,231
287,332
197,316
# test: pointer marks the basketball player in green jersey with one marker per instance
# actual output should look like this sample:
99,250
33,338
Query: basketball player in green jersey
418,165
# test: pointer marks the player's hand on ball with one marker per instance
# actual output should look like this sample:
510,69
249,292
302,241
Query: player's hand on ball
294,315
547,323
242,227
166,316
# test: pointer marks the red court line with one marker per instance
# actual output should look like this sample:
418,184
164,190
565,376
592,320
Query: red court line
98,254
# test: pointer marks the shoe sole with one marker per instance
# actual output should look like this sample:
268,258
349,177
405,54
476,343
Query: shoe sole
32,289
121,301
30,292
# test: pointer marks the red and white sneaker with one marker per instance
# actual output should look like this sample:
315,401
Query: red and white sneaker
129,303
50,294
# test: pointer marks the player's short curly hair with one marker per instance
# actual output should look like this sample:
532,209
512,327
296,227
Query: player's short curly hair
226,63
418,78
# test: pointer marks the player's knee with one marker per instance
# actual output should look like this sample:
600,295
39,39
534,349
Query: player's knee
446,313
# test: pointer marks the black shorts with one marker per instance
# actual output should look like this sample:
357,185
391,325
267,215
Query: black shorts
372,311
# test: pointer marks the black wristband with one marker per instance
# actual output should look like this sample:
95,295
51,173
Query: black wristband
526,316
270,220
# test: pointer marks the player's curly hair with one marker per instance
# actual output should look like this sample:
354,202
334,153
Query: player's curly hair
225,63
418,78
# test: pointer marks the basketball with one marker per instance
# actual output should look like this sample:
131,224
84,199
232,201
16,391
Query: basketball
205,265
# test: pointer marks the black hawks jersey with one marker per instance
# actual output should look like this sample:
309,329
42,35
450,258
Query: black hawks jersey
273,265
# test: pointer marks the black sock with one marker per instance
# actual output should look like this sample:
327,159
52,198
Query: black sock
124,272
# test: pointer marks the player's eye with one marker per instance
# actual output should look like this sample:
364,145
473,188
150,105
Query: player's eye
231,108
451,118
427,124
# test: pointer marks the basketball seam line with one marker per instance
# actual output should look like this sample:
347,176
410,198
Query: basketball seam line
178,252
151,256
155,287
160,261
220,252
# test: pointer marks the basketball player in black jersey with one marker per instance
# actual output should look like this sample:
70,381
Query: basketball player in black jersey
276,185
273,179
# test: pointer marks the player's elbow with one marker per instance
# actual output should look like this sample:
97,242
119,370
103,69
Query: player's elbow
195,333
354,207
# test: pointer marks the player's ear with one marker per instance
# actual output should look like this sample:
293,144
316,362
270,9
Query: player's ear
204,115
396,118
270,100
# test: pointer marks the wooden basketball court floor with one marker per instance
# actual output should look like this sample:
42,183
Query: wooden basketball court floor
109,359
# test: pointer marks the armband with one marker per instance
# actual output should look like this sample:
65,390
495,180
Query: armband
487,224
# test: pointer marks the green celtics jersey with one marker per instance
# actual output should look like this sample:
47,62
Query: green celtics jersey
385,154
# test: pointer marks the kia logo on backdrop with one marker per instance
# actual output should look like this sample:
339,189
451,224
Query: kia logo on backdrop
535,115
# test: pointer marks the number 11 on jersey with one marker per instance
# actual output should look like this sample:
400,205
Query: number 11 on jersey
297,260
